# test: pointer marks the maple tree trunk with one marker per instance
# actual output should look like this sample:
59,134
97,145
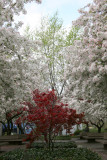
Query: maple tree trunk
45,138
50,144
49,140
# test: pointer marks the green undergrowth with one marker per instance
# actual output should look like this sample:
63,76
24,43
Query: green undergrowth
94,130
57,154
66,137
63,137
69,144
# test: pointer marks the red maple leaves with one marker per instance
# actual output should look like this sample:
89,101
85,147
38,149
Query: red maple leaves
48,116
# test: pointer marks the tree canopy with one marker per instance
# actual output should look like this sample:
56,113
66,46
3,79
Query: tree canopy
88,63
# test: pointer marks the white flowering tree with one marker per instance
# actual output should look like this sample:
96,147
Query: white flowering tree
14,86
87,85
51,53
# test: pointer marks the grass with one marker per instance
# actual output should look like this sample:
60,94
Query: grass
93,130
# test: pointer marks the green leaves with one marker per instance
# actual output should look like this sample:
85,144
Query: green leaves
73,34
57,154
54,39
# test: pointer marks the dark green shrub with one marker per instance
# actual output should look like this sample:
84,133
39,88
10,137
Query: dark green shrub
77,132
66,137
69,144
65,145
58,154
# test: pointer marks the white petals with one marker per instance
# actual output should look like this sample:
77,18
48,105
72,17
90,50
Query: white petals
93,67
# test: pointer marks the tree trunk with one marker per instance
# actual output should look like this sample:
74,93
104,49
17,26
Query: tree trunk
5,128
21,129
50,144
45,138
99,124
0,129
87,128
9,128
99,129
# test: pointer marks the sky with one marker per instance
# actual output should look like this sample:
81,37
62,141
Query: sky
67,11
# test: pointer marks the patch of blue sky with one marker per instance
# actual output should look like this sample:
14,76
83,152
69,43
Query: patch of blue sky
67,11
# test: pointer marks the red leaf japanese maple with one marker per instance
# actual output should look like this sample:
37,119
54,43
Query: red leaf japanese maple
48,116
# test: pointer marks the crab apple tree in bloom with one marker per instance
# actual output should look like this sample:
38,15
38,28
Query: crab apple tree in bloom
87,84
48,115
13,66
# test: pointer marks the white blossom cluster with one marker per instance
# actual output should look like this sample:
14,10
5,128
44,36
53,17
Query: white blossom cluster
16,82
87,85
83,66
